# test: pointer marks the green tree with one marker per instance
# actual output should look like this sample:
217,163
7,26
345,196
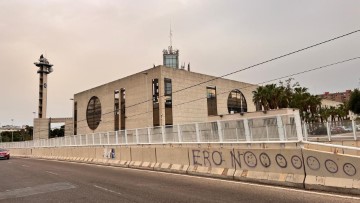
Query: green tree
354,101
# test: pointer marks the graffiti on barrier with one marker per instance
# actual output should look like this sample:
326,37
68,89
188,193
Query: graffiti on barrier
331,166
214,158
296,161
265,160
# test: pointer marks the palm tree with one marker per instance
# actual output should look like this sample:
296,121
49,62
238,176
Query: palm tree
260,97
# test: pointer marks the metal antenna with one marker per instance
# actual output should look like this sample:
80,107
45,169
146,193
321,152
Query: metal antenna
170,36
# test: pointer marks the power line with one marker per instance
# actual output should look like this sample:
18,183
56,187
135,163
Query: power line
279,78
242,88
243,69
255,65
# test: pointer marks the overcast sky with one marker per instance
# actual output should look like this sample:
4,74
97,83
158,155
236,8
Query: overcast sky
93,42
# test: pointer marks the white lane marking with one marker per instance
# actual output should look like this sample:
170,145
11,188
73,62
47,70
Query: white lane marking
52,173
40,189
107,190
228,181
25,166
245,183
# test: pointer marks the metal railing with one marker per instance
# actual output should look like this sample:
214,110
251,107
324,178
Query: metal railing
267,129
329,131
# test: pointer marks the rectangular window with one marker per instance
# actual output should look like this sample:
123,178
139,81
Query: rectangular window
122,106
155,95
116,109
75,118
211,101
168,101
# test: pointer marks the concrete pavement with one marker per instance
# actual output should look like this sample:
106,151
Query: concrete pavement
32,180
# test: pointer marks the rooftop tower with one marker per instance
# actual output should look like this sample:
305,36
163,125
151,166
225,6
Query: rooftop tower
170,55
45,68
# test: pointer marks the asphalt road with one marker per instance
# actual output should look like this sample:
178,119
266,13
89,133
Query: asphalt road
31,180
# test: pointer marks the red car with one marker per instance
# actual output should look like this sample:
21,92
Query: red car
4,154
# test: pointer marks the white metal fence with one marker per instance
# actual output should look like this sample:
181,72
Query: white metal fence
276,128
339,130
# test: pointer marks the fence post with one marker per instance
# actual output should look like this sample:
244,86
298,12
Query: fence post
125,134
108,139
80,139
179,133
297,120
280,126
137,136
100,140
163,134
221,139
197,132
117,137
93,136
247,130
354,129
305,131
328,130
149,134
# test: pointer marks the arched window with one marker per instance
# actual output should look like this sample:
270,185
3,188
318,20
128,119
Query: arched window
93,113
236,102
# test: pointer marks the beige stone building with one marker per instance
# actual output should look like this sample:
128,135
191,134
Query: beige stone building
159,96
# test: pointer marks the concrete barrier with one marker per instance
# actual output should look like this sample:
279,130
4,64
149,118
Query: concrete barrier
172,158
279,166
213,161
143,157
332,172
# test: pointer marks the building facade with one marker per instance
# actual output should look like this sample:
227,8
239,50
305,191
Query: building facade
338,97
159,96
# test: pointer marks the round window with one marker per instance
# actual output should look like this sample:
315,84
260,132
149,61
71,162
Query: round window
93,113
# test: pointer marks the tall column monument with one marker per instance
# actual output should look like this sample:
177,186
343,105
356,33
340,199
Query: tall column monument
45,68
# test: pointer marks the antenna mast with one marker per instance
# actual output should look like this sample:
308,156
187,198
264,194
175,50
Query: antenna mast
170,37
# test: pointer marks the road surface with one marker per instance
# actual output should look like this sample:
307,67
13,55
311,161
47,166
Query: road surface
32,180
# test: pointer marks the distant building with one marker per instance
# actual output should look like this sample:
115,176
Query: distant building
338,97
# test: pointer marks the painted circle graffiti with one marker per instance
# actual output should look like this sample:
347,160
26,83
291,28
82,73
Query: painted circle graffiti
265,160
281,161
313,163
296,162
349,169
250,159
331,166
